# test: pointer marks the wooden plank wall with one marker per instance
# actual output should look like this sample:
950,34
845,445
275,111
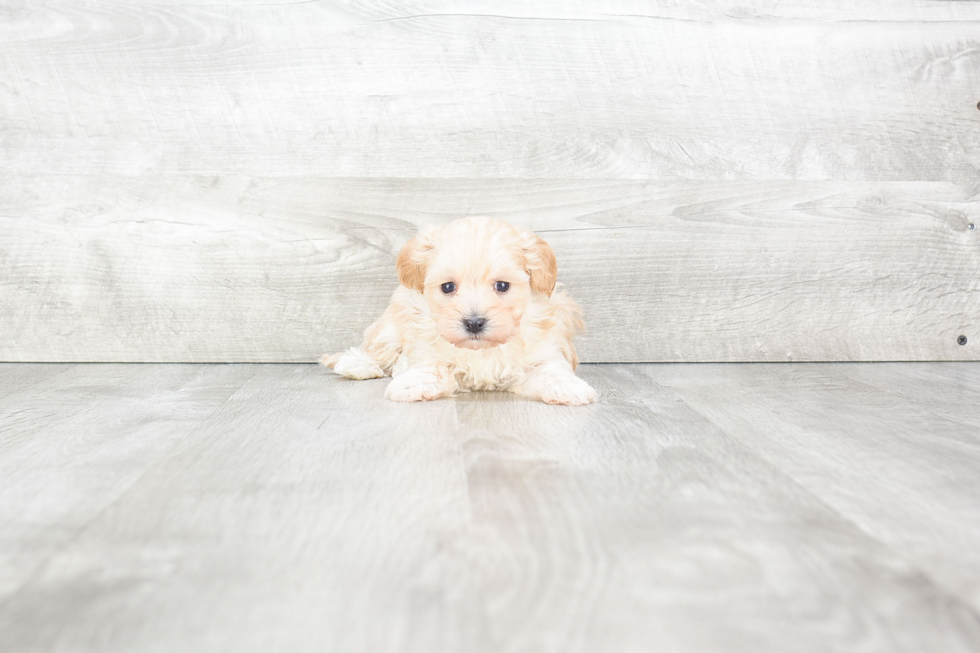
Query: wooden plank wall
721,181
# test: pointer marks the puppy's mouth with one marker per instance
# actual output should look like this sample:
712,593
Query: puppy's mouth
476,342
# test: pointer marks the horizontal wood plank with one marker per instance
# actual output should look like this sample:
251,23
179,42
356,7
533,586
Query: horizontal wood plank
864,91
248,269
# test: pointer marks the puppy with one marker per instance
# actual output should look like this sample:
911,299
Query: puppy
477,309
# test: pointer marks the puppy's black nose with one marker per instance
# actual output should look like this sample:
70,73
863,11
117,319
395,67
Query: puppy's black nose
474,324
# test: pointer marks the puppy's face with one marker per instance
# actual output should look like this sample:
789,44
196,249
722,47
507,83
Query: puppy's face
477,275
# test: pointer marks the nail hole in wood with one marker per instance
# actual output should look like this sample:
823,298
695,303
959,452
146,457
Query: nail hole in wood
971,226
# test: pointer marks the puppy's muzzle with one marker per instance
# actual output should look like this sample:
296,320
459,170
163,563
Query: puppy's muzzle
475,324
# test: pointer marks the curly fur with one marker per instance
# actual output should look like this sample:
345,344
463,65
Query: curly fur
422,341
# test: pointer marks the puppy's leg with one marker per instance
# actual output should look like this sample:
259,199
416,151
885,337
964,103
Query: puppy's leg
354,364
422,383
555,383
375,357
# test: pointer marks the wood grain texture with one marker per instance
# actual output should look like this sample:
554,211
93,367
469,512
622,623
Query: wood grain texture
73,443
14,378
864,91
305,513
189,181
809,421
216,269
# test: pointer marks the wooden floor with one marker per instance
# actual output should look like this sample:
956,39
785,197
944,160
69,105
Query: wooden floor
759,507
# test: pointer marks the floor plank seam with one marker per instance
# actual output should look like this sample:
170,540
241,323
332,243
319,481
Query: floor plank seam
79,532
951,594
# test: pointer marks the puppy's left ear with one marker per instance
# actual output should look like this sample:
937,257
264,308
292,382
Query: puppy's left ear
540,263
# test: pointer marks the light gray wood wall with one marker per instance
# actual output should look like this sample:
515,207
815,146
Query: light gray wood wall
777,181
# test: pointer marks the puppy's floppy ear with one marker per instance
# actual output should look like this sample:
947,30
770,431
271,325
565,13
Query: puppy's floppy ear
413,260
540,263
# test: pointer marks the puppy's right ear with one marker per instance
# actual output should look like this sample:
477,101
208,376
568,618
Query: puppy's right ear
412,262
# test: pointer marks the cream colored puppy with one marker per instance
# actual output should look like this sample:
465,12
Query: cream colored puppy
477,309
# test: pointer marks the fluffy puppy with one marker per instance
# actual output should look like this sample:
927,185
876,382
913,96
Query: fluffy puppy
477,309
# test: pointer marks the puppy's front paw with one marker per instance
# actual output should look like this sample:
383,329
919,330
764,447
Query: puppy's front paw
556,384
354,364
568,390
417,385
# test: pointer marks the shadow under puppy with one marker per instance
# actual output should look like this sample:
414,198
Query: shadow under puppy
477,309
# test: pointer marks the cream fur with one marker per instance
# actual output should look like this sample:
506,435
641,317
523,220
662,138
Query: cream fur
421,341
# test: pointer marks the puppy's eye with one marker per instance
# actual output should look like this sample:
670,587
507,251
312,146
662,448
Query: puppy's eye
501,286
448,287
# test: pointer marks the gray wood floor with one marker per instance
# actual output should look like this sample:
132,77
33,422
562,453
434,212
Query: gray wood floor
757,507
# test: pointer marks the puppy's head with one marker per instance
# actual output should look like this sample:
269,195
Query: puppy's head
477,275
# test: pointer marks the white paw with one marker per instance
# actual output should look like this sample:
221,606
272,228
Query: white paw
568,390
417,385
354,364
